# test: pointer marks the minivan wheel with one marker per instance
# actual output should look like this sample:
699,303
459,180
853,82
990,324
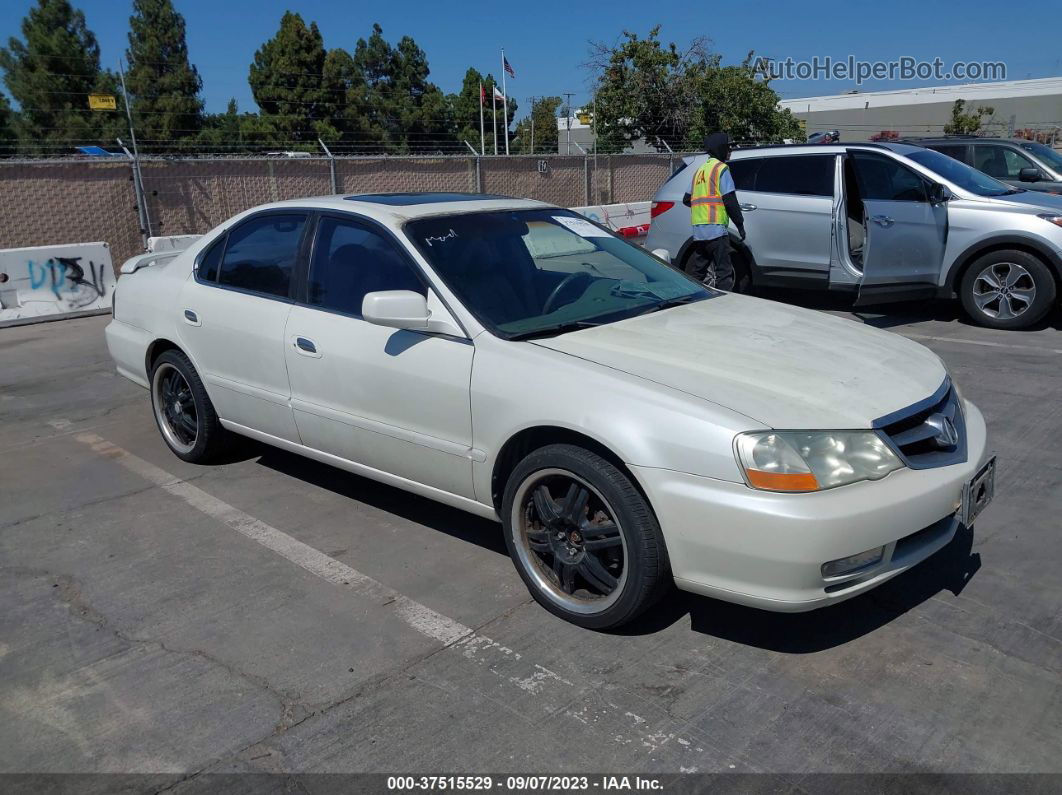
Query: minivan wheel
583,538
183,411
1007,290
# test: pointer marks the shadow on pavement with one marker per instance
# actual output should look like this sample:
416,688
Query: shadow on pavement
793,633
423,511
950,569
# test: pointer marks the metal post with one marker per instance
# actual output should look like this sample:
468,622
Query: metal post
331,167
568,112
586,177
138,177
479,176
532,101
138,191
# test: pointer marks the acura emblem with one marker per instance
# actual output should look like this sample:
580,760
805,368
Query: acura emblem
946,435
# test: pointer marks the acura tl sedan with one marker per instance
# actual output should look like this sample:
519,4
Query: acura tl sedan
628,426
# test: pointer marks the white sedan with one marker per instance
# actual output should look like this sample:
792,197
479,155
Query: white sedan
627,426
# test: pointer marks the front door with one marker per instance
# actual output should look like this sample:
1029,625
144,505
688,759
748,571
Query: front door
787,203
905,232
234,310
395,401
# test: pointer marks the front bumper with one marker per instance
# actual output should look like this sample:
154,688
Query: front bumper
766,550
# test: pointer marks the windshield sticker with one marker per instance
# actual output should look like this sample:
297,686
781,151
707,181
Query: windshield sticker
431,241
580,226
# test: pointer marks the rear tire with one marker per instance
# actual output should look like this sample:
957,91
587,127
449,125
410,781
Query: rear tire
583,538
183,411
1008,289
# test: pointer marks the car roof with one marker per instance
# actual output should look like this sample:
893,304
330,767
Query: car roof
834,148
407,206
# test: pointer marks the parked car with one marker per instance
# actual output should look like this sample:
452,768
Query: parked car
886,221
626,424
1016,161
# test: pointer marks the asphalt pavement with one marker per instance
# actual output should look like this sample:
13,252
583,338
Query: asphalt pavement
272,614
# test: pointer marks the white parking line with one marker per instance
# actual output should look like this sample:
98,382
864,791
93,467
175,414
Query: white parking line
423,619
1030,348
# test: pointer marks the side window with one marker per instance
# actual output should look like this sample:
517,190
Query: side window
1000,162
803,175
951,150
886,179
261,254
351,260
744,172
208,263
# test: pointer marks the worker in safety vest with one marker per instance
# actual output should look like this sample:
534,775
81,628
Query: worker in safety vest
713,206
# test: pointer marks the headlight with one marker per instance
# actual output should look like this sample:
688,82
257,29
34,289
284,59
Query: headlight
812,460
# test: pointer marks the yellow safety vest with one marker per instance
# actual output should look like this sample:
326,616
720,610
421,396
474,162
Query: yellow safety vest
706,202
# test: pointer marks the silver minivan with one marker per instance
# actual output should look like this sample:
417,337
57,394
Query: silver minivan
886,222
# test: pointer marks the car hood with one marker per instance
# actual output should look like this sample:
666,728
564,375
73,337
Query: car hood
1034,198
783,366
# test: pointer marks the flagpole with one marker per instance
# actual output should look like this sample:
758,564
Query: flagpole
494,113
482,134
505,101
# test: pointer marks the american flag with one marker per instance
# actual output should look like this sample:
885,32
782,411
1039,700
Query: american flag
508,69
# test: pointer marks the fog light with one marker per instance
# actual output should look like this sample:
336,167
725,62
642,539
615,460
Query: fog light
842,566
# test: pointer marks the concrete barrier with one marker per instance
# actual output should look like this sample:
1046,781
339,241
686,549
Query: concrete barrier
46,282
629,220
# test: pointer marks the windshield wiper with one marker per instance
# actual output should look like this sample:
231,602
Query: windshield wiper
671,302
551,331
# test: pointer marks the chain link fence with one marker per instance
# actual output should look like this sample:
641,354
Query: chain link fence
47,202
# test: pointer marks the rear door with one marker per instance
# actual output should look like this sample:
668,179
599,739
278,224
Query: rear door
905,232
234,309
788,202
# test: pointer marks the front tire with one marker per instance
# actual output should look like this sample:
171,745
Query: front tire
1007,289
183,411
583,538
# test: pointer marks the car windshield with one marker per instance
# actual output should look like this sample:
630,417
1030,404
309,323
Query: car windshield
961,174
1050,156
533,273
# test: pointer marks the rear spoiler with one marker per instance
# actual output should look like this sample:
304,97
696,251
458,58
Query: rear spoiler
133,264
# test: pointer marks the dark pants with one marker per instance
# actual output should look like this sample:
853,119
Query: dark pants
710,262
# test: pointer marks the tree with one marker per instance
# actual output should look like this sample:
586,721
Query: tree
645,90
733,99
163,86
465,107
287,82
544,113
50,75
7,131
963,123
401,110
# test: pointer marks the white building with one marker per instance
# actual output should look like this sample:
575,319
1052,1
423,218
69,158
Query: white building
1018,105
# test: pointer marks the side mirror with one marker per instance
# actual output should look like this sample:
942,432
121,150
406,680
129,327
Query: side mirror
1029,175
938,193
662,253
404,309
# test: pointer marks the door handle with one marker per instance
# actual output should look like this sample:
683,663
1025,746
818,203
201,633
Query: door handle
748,208
191,318
306,345
882,220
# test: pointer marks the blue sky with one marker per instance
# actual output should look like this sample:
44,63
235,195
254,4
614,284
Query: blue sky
546,42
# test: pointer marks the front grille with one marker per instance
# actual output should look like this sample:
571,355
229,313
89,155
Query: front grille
931,433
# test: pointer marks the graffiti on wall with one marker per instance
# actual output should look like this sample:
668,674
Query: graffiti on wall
50,280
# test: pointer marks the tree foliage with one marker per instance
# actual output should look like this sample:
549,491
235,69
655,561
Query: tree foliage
287,81
50,72
963,123
544,114
163,85
648,90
